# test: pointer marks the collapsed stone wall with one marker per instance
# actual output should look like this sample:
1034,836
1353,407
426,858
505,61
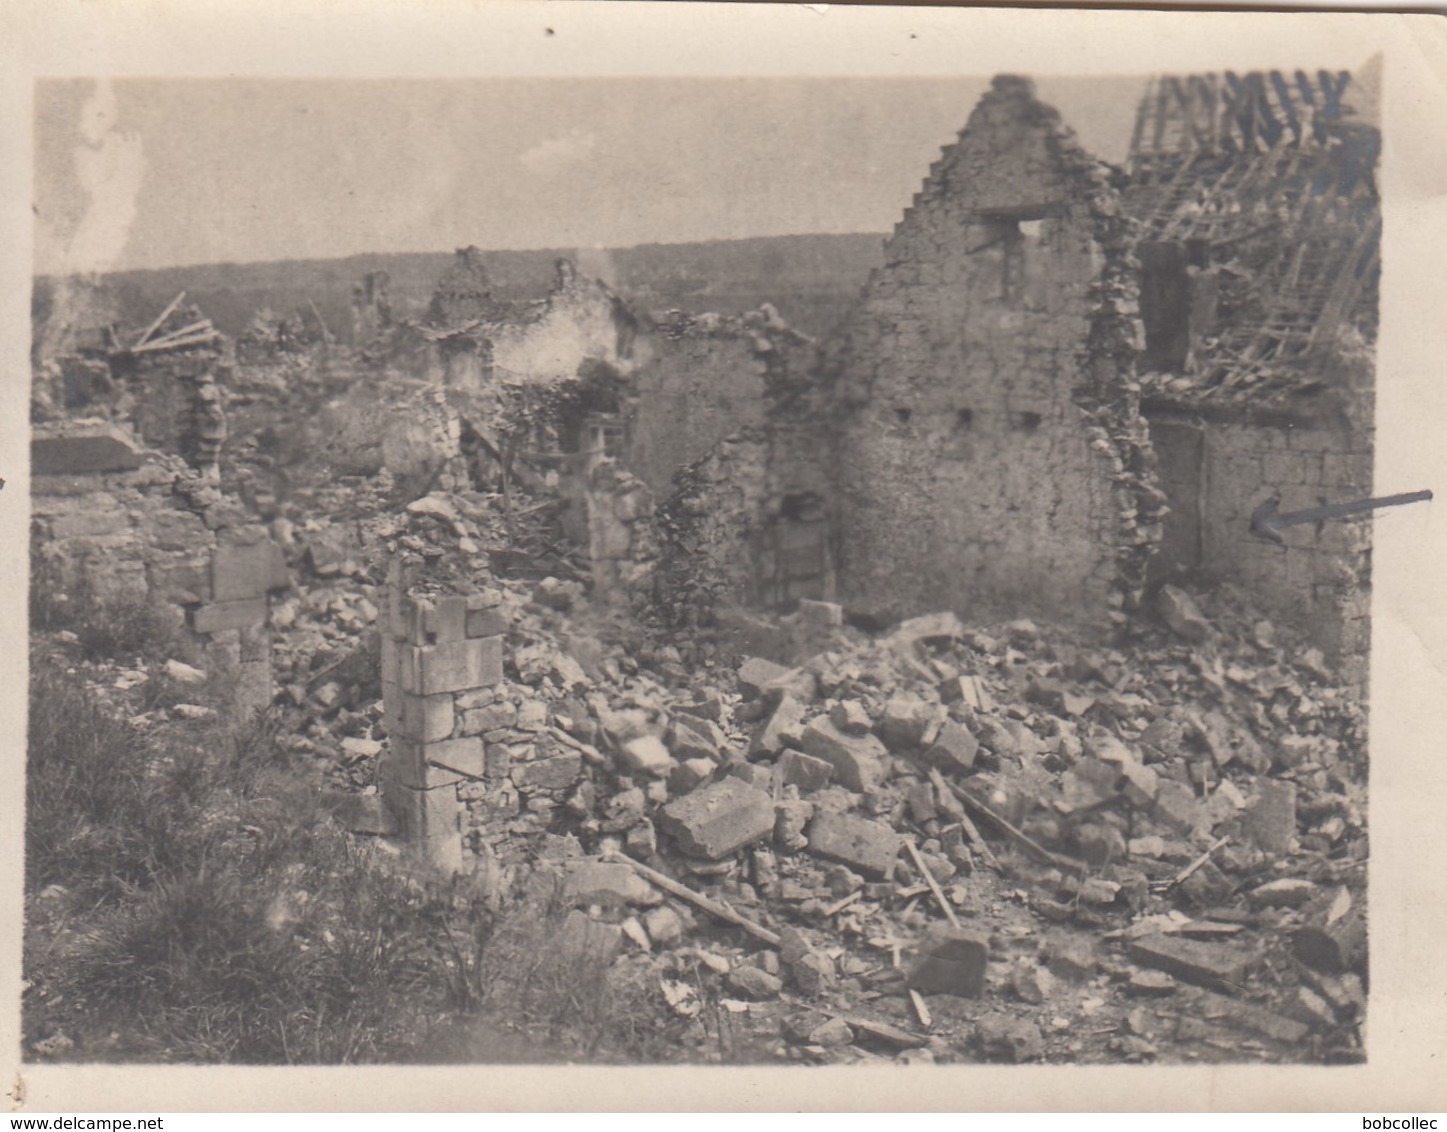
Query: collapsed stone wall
708,378
127,526
610,516
997,460
580,322
709,529
412,429
741,518
472,341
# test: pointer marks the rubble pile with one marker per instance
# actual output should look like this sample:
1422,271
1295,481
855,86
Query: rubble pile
964,843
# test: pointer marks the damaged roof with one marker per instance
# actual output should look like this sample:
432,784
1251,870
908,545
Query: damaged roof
1268,180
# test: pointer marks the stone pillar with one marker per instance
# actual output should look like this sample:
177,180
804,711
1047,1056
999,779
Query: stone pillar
439,645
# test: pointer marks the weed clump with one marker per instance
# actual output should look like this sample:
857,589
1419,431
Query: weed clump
222,916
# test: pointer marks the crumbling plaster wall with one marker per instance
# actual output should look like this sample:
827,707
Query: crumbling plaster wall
992,458
579,321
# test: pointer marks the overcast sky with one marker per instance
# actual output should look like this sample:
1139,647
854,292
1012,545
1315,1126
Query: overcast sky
154,173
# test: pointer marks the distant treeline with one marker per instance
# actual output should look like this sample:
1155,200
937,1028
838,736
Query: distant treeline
812,280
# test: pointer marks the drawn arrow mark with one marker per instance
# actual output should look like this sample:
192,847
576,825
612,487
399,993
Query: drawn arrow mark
1267,521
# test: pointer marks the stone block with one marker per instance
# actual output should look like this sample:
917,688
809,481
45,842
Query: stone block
858,760
1140,784
587,880
718,819
869,846
804,771
1072,957
755,674
479,721
82,447
241,570
172,529
465,756
688,774
222,615
425,815
1178,809
969,690
695,738
89,524
428,719
401,765
499,760
821,614
850,717
486,622
763,679
905,722
556,773
1270,820
753,982
1004,1037
441,620
1196,961
183,581
782,726
453,667
646,754
951,961
954,748
1333,936
755,774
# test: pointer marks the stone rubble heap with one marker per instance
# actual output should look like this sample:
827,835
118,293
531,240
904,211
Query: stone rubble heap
942,839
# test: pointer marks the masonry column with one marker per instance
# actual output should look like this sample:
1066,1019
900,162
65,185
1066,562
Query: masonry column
441,642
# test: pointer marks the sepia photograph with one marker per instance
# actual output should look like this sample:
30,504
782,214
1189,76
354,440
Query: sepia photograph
776,570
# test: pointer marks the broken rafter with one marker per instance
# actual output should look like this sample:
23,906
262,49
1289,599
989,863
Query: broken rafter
201,324
946,799
1190,870
176,344
1019,836
934,885
160,318
326,334
698,900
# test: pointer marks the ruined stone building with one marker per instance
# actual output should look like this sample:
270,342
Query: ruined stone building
161,383
126,511
991,455
477,340
1260,231
1069,384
